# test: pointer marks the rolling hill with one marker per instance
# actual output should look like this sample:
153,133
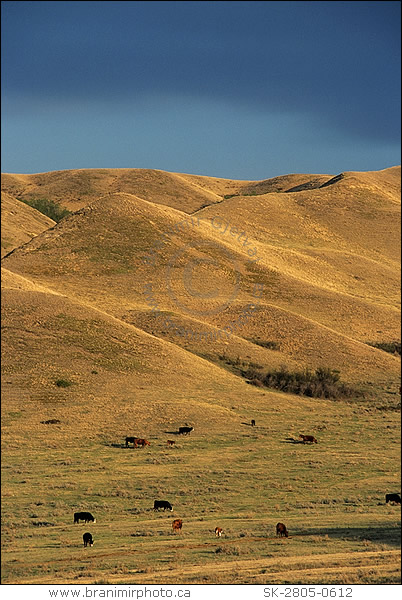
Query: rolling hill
139,312
20,223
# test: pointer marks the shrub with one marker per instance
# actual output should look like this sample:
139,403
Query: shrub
323,383
256,382
391,347
63,383
238,362
269,344
49,208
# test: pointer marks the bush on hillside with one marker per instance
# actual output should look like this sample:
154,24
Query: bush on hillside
391,347
49,208
63,383
322,383
269,344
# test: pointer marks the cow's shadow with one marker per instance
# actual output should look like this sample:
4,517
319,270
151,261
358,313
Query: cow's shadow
249,424
172,433
290,440
121,446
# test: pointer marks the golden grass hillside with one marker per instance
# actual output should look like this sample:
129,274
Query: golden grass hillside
326,292
19,223
78,187
115,323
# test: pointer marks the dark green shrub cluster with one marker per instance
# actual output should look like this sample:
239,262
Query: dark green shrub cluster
63,383
269,344
256,382
391,347
49,208
238,362
321,383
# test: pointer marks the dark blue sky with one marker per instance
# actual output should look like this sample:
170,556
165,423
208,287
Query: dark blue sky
245,90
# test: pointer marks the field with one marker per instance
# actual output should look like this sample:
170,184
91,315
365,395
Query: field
243,479
82,346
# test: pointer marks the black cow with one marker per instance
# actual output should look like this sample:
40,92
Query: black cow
252,423
130,440
83,516
393,498
88,541
281,530
186,430
162,504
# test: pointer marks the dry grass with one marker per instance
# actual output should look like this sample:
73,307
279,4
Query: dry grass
337,529
74,311
19,223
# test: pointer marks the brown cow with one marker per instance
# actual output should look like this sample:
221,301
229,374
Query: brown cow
218,531
281,530
171,442
141,442
308,438
177,525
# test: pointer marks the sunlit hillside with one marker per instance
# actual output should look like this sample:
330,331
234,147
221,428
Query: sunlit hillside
164,300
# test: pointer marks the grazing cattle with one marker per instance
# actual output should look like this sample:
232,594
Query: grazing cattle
51,422
281,530
88,541
218,531
141,442
393,498
83,516
177,525
252,423
186,430
162,504
308,438
130,440
171,442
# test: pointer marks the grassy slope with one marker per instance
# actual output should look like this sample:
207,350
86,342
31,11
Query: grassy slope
77,188
20,223
319,313
85,320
